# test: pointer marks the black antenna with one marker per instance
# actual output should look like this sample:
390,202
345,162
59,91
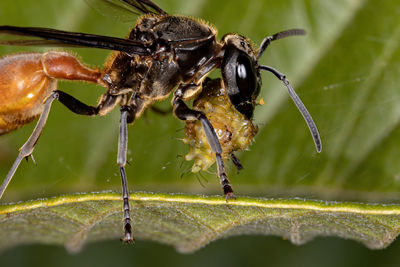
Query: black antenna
265,43
303,110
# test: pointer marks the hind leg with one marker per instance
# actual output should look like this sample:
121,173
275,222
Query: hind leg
27,84
71,103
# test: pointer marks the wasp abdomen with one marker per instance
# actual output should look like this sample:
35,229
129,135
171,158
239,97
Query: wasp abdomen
23,87
27,79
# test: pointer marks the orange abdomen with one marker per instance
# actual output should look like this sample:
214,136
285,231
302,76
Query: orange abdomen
24,86
27,79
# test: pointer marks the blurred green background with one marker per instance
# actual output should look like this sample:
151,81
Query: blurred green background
346,70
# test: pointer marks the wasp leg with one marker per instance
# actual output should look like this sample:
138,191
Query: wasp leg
183,112
27,149
106,103
236,162
127,116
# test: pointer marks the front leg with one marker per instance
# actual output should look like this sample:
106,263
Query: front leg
183,112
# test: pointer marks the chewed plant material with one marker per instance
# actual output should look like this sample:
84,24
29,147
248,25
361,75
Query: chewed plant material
235,132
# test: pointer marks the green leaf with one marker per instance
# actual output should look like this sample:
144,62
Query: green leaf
191,222
346,70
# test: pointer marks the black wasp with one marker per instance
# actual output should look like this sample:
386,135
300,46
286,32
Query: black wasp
162,54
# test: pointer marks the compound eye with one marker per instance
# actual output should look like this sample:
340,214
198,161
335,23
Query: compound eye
246,79
240,80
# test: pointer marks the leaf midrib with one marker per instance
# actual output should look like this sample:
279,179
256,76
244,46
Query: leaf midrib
295,203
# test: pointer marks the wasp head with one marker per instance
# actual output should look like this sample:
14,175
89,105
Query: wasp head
242,81
240,73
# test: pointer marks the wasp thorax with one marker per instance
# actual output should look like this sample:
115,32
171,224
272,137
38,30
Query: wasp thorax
235,132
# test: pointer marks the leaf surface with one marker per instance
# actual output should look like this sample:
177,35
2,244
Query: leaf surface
190,222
